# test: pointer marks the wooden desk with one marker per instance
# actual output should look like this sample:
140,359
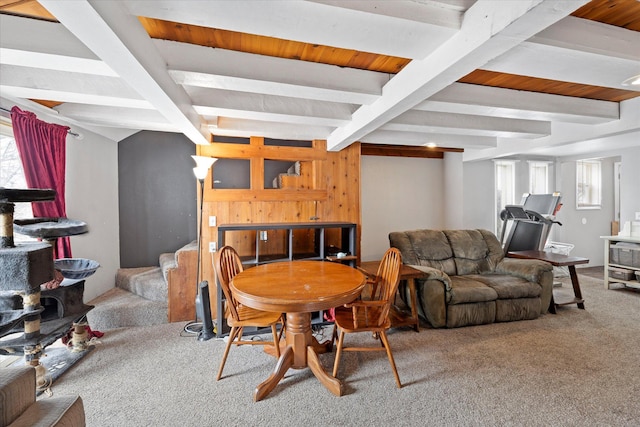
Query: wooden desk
397,316
298,288
558,260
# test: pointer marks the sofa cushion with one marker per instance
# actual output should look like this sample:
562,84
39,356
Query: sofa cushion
508,287
465,289
429,248
475,251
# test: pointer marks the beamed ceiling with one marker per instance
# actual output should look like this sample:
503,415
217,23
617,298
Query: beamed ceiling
492,78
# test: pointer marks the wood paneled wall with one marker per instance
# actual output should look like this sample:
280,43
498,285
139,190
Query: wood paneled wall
328,188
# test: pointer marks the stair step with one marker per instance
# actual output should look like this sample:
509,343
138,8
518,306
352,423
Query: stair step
167,261
118,308
146,282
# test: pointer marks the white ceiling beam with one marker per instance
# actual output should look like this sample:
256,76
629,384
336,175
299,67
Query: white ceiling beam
489,29
422,139
246,128
591,36
194,65
64,96
572,138
46,113
119,40
42,44
65,86
130,118
307,22
38,36
567,65
269,107
434,12
465,124
492,101
54,62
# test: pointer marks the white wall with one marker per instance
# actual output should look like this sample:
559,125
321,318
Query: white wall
397,194
92,197
583,228
454,189
479,195
630,184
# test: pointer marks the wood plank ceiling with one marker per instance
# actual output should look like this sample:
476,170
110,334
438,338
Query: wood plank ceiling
619,13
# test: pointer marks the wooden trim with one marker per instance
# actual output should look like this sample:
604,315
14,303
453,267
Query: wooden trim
405,151
223,150
268,195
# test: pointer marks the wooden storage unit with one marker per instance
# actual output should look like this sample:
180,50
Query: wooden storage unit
327,190
285,242
618,266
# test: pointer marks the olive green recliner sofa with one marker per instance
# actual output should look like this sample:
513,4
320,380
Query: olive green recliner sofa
468,280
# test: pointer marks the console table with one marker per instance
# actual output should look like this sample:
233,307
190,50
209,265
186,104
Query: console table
558,260
347,244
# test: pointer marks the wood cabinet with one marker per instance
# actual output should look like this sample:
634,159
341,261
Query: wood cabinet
631,264
275,242
326,190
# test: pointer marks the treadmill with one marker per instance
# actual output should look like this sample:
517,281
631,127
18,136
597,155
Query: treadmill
526,227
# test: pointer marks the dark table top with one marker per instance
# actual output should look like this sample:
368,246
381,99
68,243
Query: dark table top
558,260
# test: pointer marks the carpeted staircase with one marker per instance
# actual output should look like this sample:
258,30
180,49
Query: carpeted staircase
139,298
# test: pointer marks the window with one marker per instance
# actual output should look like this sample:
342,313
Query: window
12,174
505,177
538,177
588,184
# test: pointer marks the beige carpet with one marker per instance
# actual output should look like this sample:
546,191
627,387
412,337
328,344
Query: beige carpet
575,368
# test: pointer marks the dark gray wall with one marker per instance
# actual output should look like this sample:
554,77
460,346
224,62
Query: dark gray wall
157,196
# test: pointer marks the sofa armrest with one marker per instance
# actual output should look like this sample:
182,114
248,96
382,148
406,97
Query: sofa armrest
433,292
529,269
533,270
434,274
17,391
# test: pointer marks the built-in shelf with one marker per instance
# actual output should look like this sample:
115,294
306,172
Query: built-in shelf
316,244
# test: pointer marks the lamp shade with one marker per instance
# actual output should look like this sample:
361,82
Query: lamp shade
200,172
203,163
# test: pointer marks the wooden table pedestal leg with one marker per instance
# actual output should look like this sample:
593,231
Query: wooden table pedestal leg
301,352
284,363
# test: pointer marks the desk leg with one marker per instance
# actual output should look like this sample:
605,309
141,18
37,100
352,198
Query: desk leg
552,304
576,286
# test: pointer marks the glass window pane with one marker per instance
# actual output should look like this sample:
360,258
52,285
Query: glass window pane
538,177
505,188
12,176
588,184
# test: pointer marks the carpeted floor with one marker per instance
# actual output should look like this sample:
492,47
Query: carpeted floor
575,368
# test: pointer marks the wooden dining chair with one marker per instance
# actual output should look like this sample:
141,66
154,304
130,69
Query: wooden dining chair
227,265
371,314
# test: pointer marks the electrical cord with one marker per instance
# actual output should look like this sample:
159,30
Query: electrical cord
191,328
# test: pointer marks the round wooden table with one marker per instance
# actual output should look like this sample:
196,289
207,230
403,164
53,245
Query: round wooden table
298,288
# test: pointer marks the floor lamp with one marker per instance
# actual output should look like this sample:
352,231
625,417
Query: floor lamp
203,329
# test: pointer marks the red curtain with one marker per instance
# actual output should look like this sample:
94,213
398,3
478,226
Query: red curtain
42,148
